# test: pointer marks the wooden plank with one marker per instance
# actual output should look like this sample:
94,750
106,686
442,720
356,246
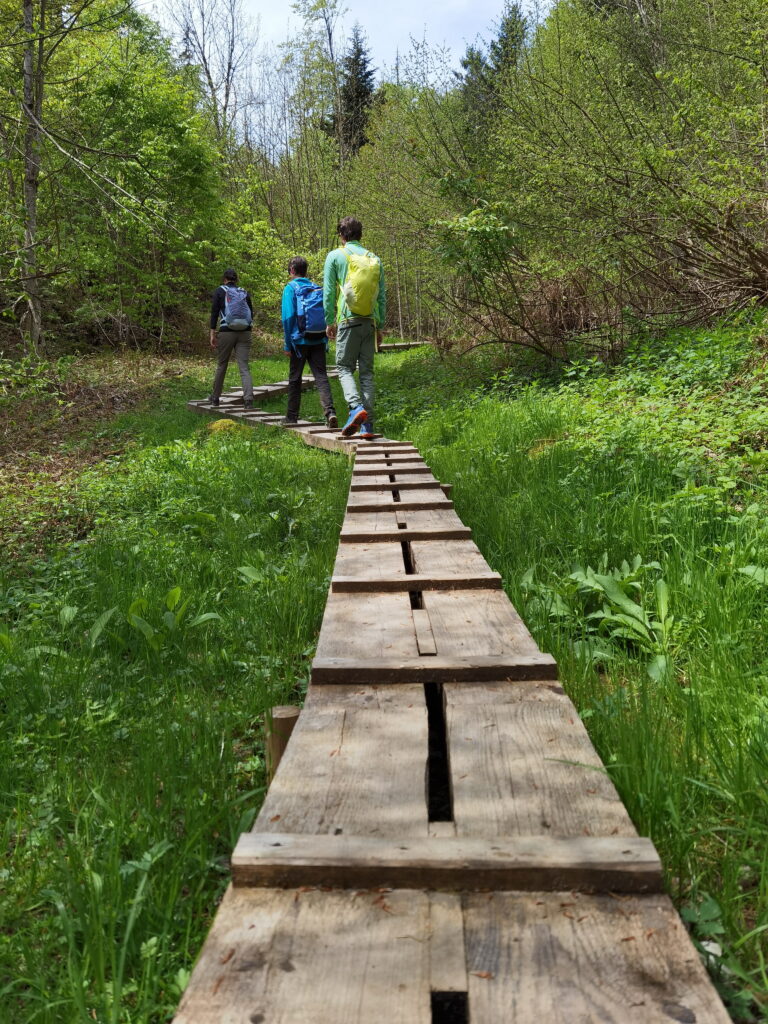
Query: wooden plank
381,501
456,694
367,626
291,957
352,770
431,670
370,561
448,966
455,556
424,636
414,582
483,623
570,958
365,469
384,483
377,698
530,863
450,533
367,458
529,769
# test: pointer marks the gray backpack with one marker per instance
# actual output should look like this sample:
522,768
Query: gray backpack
237,315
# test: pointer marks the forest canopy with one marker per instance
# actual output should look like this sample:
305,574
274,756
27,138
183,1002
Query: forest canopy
592,174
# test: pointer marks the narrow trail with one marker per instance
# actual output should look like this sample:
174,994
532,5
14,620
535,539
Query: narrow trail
441,843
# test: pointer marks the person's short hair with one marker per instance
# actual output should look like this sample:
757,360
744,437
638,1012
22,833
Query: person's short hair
299,264
350,229
230,275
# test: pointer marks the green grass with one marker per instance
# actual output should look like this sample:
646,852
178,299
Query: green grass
621,506
136,667
624,509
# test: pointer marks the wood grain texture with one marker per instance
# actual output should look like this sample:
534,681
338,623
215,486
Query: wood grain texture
424,636
529,769
364,469
290,957
431,670
370,561
457,556
566,958
360,771
529,863
367,626
482,623
383,482
412,582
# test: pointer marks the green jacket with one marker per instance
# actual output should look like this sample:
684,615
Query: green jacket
334,276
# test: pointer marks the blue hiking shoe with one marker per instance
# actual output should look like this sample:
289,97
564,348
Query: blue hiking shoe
357,416
366,430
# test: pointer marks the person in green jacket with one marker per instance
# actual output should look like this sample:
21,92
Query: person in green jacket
354,300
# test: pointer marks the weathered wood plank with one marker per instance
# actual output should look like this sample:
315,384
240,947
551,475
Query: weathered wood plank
566,958
291,957
352,770
529,769
424,636
367,626
412,582
483,623
378,698
381,501
365,469
431,670
370,561
456,556
530,863
425,481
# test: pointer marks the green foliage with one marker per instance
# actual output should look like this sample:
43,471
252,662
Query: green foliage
135,668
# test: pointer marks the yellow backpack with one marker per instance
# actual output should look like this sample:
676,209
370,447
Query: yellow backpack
361,288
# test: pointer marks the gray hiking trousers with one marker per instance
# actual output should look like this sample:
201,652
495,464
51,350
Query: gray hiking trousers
355,347
228,342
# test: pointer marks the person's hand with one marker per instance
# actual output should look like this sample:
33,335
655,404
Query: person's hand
331,331
213,339
379,337
287,354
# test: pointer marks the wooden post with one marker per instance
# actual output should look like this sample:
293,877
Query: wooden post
279,726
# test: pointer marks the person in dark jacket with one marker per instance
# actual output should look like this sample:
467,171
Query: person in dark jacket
232,313
303,346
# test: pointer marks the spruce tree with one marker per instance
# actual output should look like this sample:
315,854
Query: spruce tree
356,94
485,67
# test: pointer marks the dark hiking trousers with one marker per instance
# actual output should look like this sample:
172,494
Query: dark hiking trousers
228,342
315,356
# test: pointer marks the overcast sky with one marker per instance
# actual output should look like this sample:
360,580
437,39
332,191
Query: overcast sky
390,24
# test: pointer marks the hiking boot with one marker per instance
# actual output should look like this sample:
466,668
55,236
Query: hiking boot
366,430
331,421
357,416
285,422
248,403
213,401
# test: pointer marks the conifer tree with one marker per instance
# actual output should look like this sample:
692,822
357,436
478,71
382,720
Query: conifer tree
486,67
356,94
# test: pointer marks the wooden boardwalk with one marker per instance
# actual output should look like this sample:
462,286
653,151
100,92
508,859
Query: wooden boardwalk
441,843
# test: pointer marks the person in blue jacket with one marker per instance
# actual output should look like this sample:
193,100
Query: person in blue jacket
304,340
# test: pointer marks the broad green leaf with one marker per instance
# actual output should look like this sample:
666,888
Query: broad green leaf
172,598
67,614
98,626
248,572
205,617
756,573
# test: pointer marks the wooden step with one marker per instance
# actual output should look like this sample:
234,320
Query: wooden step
432,669
415,583
522,863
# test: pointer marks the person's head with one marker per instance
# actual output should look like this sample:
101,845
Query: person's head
297,266
229,276
350,229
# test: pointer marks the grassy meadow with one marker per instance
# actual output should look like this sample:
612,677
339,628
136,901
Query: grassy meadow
157,599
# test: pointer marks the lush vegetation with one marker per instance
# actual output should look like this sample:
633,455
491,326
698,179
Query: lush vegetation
179,592
137,661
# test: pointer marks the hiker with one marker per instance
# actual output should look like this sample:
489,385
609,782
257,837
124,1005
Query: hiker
355,305
232,310
305,340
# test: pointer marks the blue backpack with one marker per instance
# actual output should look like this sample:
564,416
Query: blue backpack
237,315
309,308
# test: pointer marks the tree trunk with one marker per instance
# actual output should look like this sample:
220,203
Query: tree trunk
31,113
